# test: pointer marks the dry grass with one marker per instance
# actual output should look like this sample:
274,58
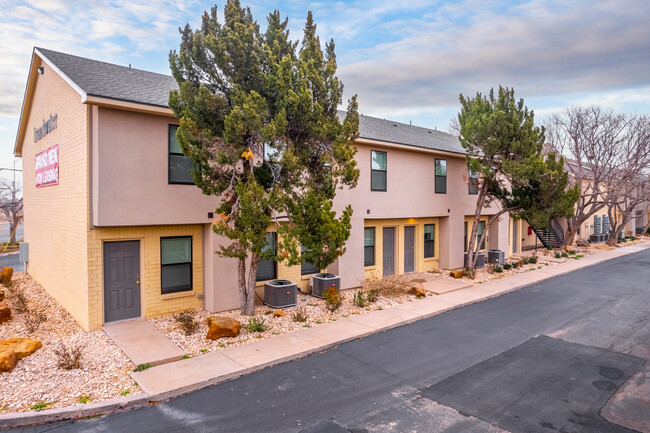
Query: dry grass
395,286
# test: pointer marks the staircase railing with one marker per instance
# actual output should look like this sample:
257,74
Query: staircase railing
557,230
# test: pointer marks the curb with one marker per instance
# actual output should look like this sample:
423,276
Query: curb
121,404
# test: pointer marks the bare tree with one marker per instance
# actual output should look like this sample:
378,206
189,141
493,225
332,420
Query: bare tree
11,205
627,190
601,148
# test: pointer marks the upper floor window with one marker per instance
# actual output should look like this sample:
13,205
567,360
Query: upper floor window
369,246
473,182
180,166
267,267
429,240
441,176
176,264
378,170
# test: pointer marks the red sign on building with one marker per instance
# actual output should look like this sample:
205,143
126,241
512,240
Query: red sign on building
47,167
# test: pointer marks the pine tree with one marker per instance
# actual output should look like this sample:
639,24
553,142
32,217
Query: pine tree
259,120
506,150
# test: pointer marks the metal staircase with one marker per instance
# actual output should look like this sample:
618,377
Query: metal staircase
552,236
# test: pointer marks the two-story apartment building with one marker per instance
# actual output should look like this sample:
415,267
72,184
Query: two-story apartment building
117,230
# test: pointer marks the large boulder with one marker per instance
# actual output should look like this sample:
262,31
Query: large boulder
5,312
6,274
279,313
23,347
418,291
219,326
582,242
457,273
8,360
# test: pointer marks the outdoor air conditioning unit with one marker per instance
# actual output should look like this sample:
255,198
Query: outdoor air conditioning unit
480,261
496,256
321,282
280,294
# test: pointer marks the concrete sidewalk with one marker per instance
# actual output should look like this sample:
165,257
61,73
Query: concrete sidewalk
187,375
143,343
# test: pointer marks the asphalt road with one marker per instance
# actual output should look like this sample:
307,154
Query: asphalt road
542,359
12,260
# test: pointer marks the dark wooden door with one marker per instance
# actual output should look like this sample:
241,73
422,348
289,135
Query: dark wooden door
121,280
388,254
409,249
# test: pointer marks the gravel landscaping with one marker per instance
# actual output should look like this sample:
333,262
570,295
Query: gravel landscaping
38,381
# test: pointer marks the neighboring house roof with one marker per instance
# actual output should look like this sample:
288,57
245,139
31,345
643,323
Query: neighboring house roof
92,78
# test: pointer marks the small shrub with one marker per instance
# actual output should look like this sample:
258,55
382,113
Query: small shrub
498,269
204,350
186,356
558,255
20,305
125,392
359,300
380,308
532,260
68,357
83,399
565,255
332,299
507,266
372,296
300,315
255,324
572,253
222,345
41,405
142,367
515,265
469,273
33,320
187,322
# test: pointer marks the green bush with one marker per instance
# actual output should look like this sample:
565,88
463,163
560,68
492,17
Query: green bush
372,296
532,259
573,253
515,265
507,266
255,324
558,255
565,255
359,300
498,269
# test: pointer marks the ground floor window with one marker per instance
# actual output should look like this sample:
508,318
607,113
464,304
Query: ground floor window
307,268
429,240
369,246
479,233
176,264
267,267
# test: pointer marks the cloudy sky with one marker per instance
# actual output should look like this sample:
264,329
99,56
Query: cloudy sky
406,60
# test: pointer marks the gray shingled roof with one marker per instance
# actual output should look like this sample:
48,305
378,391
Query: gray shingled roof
394,132
134,85
114,81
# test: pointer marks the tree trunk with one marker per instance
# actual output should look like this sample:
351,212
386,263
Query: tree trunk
569,235
247,285
12,231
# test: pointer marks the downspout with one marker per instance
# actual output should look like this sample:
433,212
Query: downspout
89,135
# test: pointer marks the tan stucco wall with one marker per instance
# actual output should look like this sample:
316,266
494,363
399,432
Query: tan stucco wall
56,217
130,174
154,304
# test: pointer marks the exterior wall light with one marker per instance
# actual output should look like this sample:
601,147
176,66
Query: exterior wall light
41,70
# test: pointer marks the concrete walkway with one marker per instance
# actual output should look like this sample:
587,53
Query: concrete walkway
143,343
187,375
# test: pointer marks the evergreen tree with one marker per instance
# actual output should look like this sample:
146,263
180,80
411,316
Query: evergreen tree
506,150
259,120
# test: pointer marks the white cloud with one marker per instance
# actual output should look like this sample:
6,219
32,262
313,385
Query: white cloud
100,29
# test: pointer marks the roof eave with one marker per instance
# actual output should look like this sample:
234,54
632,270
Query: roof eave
29,92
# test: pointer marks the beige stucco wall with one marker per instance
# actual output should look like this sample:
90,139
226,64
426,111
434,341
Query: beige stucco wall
130,174
56,217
